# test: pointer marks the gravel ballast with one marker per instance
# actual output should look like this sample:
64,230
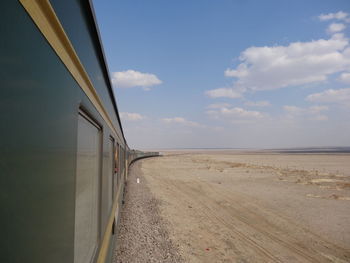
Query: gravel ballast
142,233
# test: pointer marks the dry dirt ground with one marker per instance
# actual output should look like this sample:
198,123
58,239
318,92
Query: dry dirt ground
239,207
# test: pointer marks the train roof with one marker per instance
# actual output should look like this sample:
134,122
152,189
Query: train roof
102,57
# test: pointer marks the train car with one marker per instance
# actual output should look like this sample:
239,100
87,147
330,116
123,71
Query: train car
63,154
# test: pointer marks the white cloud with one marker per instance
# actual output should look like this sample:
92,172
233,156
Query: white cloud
180,120
317,109
312,113
295,64
335,27
299,110
129,116
345,77
241,113
341,96
299,63
235,113
338,16
262,103
218,105
293,109
224,92
320,118
131,78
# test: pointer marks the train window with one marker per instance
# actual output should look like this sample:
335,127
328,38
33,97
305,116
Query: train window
123,162
110,175
86,233
116,160
120,161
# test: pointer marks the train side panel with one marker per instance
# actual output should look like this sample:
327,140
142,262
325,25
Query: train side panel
63,155
40,105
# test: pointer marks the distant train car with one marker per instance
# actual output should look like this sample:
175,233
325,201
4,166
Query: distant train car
63,154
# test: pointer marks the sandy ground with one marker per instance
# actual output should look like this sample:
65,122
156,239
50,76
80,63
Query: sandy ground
239,207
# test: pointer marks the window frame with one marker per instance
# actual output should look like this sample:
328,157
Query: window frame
88,117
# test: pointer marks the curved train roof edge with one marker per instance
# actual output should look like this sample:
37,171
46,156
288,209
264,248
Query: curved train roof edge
103,61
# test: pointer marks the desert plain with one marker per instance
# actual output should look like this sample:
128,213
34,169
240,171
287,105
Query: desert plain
237,206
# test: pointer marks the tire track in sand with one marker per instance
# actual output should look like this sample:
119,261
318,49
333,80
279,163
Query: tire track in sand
314,254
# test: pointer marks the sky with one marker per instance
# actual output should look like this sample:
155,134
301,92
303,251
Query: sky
229,73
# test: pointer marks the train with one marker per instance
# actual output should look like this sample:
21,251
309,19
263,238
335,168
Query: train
63,155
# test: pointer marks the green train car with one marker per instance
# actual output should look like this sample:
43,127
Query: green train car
63,154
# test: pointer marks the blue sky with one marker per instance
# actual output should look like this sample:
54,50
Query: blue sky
251,74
